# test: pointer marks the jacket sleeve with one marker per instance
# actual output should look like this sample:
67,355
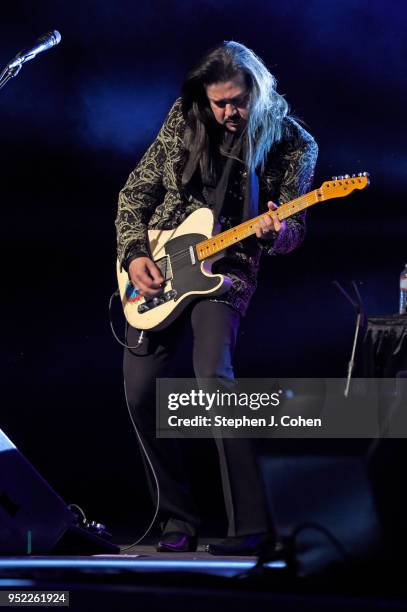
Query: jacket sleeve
301,157
142,193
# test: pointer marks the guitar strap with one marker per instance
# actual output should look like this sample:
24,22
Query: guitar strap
226,198
251,201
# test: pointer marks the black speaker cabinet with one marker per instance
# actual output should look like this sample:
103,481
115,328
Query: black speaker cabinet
33,518
337,504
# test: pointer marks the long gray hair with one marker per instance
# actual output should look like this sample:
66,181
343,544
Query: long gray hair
267,108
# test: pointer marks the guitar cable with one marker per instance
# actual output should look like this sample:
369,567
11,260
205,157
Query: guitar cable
149,463
116,337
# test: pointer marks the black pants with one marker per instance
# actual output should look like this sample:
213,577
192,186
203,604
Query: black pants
214,330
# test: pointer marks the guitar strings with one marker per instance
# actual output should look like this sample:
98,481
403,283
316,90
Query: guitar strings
244,227
292,207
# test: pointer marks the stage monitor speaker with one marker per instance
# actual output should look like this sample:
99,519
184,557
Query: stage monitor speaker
33,518
336,510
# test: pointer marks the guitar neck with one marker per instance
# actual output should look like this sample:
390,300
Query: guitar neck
222,241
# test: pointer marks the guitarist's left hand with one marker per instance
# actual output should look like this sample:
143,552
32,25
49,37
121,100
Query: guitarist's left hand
269,224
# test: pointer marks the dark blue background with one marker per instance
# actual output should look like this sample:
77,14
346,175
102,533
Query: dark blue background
75,122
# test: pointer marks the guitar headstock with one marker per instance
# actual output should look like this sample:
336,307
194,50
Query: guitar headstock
341,186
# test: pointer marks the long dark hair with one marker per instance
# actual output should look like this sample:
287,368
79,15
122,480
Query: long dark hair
267,108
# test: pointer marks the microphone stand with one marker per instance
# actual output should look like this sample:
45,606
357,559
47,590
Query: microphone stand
357,305
48,40
8,74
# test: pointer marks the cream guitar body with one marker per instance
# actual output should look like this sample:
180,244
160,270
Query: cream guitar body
186,278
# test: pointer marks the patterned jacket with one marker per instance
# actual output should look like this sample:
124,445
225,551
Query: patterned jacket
154,198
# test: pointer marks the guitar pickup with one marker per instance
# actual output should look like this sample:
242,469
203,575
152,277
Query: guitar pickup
164,265
157,301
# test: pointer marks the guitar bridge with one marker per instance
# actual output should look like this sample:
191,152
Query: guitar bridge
157,301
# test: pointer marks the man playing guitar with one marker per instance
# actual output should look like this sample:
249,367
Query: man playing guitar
228,145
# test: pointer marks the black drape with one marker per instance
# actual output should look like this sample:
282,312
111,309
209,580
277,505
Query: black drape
384,351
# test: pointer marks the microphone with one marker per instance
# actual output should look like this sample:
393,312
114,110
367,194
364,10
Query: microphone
48,40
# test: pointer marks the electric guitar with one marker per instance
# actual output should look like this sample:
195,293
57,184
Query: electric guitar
185,255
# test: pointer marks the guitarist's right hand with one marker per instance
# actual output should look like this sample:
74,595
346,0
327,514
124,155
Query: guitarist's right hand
145,275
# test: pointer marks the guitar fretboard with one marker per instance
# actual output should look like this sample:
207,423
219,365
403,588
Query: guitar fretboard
217,243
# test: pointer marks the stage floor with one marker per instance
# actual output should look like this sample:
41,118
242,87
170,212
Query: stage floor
147,580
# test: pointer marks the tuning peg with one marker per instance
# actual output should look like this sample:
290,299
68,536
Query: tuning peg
365,173
340,177
346,176
353,175
334,178
360,174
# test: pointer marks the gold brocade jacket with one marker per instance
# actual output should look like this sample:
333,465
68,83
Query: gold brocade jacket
154,198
